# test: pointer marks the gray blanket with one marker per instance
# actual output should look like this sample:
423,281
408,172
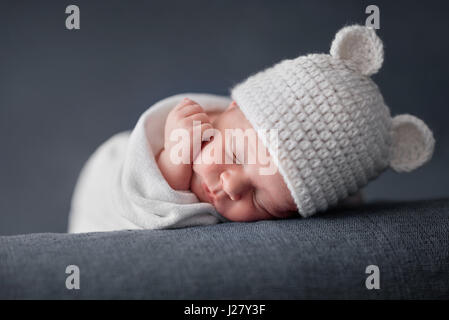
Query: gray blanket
322,257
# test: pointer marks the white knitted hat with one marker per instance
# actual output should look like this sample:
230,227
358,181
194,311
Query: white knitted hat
335,131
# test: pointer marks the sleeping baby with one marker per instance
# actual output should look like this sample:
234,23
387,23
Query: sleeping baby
293,140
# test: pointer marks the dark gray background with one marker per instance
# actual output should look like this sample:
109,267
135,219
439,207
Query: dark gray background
64,92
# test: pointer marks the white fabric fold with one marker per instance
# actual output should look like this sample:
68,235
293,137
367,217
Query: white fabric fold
121,186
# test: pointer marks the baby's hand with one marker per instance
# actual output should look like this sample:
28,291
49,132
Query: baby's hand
186,115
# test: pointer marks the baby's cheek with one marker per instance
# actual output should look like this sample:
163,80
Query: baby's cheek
240,211
202,167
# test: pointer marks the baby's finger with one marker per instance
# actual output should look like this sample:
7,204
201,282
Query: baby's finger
189,110
207,132
196,149
202,116
183,103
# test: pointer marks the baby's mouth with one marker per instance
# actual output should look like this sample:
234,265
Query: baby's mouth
209,194
213,195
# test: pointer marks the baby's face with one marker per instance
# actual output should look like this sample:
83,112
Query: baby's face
238,190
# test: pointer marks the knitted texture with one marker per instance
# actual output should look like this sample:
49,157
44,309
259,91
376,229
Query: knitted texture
410,131
335,132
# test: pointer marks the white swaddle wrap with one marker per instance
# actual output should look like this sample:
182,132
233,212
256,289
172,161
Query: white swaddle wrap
121,186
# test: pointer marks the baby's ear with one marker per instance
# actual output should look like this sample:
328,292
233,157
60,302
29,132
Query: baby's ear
412,143
361,46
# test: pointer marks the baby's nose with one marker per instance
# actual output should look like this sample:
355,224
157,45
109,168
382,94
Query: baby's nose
235,184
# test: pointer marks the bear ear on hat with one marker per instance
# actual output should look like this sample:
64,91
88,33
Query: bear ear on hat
412,143
361,46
